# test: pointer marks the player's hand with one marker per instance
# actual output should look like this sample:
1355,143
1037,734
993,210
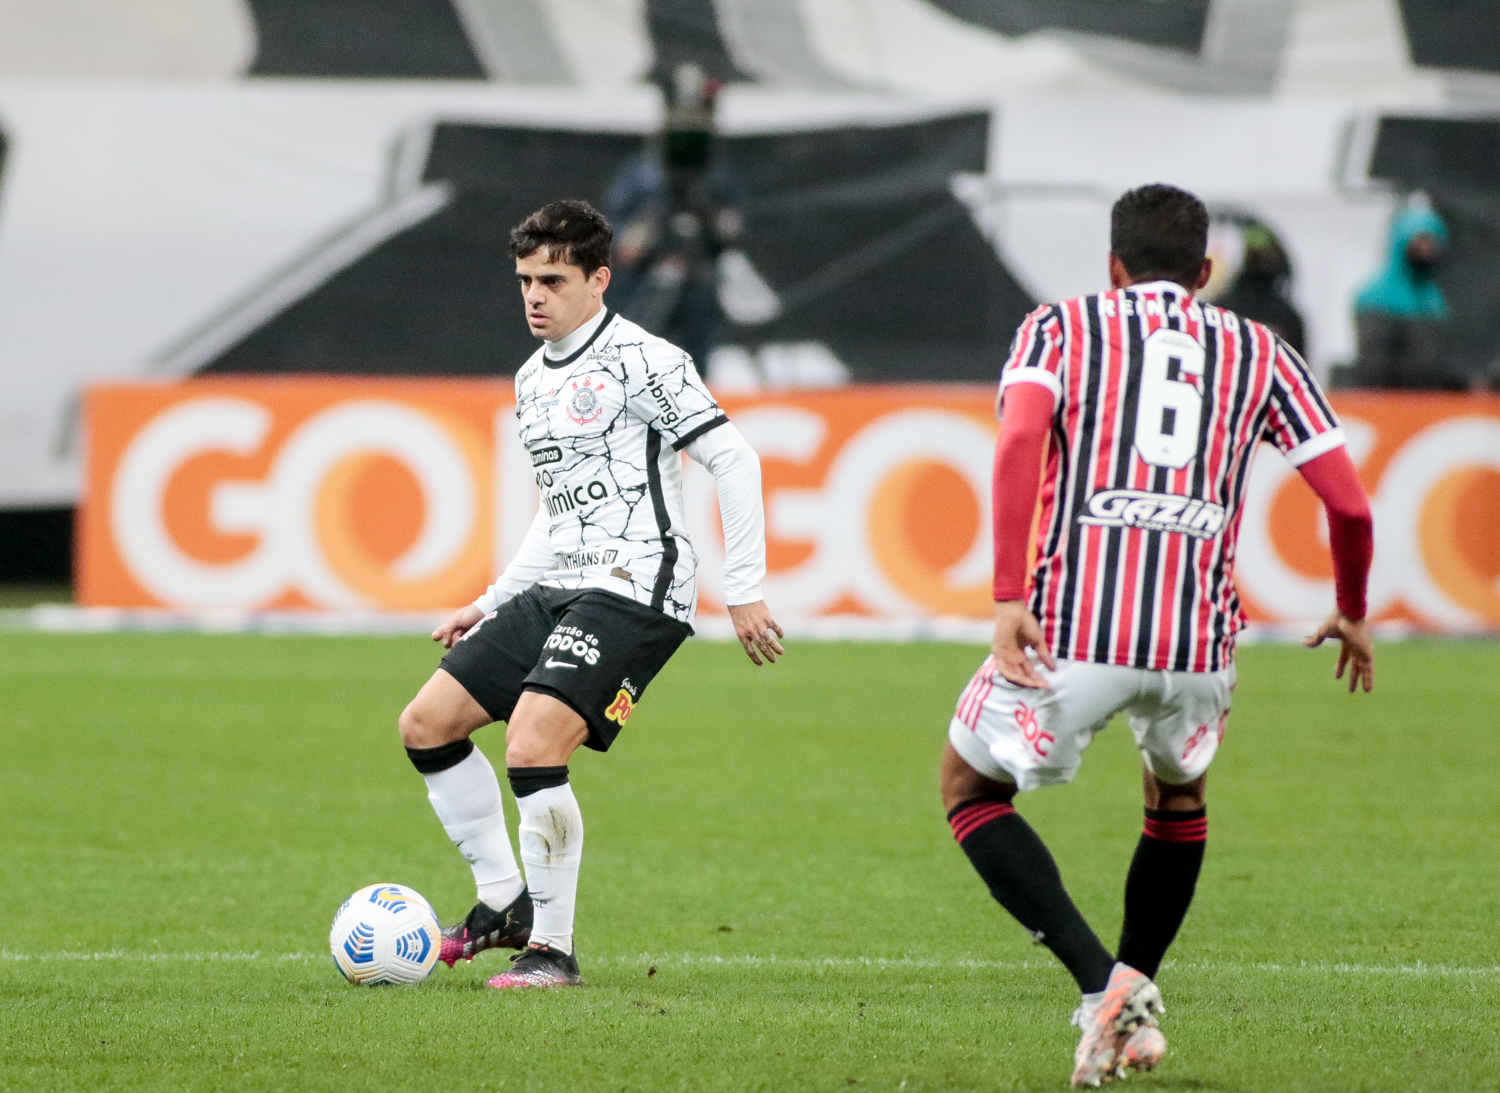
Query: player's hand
457,626
757,631
1356,649
1016,630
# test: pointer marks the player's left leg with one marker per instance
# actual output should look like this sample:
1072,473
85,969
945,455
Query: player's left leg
1009,738
594,667
541,737
1019,870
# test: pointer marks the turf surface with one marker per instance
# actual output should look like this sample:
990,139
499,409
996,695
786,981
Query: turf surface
771,900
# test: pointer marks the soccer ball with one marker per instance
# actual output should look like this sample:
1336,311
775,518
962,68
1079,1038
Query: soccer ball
385,933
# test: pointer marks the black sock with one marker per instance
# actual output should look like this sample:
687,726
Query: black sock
1021,874
1160,886
438,759
524,781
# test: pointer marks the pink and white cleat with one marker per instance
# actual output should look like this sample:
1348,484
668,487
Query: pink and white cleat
487,928
1130,1002
539,966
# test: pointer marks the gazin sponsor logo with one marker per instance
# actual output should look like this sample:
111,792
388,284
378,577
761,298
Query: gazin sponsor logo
1155,512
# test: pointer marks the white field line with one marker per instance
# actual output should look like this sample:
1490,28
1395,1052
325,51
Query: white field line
68,619
704,960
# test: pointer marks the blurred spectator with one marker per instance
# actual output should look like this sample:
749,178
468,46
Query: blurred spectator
674,217
1401,316
1253,276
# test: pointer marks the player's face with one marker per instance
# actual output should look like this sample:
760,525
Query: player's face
558,297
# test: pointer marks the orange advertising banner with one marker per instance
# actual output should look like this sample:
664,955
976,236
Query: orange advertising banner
270,493
359,494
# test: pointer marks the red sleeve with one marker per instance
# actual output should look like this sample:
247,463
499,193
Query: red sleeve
1351,531
1024,426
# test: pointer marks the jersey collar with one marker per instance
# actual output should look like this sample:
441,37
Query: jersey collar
1158,286
573,345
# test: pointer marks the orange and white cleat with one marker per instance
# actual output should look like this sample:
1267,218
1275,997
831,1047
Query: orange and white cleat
1142,1050
1131,1001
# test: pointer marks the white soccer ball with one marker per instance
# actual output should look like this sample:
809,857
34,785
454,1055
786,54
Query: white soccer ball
385,933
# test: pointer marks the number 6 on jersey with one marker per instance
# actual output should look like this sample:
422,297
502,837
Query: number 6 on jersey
1170,410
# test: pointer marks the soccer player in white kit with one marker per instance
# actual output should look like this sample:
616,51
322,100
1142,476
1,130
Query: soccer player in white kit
602,592
1132,417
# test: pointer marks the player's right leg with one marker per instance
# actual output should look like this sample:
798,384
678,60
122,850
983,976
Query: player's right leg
1178,721
479,682
465,794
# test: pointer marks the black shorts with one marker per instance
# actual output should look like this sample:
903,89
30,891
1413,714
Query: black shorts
593,650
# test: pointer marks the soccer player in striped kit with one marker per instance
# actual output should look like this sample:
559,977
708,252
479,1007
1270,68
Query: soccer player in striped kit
1132,417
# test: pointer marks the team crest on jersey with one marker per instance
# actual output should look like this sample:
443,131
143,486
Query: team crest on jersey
584,404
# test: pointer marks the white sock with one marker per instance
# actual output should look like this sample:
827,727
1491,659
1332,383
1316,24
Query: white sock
466,798
551,848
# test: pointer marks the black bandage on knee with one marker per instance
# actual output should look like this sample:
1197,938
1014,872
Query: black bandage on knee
438,759
524,781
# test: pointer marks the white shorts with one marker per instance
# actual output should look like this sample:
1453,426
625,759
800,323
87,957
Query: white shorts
1036,738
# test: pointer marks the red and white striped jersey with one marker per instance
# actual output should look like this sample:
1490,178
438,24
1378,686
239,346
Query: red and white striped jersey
1161,402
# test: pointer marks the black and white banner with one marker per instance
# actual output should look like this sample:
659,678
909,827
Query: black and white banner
284,186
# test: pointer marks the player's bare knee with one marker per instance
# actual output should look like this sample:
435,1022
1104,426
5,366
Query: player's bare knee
1167,797
960,782
420,729
522,750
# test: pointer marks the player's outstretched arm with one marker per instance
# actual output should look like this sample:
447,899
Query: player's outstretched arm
457,625
736,470
1351,537
1019,452
1356,649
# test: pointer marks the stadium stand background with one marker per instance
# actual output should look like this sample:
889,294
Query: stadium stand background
889,147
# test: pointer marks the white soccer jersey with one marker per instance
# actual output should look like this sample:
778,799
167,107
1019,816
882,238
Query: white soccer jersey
603,427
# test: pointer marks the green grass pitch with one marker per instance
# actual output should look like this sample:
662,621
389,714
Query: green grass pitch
770,899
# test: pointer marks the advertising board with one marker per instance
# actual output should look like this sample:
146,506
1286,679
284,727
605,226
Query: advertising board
408,495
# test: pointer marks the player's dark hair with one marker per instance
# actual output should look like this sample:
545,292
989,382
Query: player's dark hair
573,232
1160,231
